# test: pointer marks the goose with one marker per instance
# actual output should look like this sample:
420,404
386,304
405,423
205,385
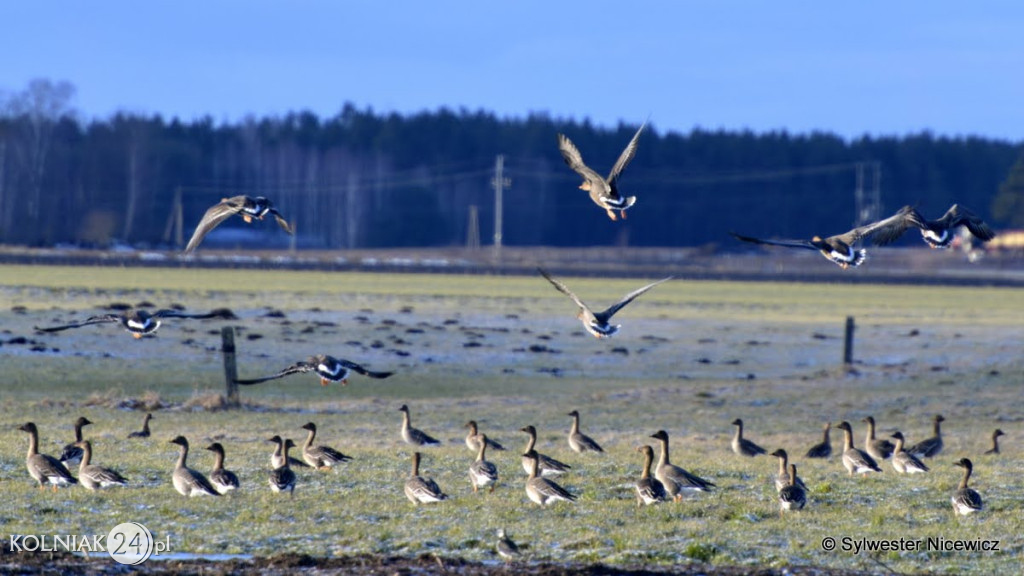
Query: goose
481,472
878,448
187,481
245,206
856,461
782,479
995,442
507,549
223,481
415,436
138,323
45,469
929,447
544,491
473,442
603,191
597,323
839,249
278,458
966,500
329,368
822,449
92,476
420,490
283,477
72,453
548,466
649,490
320,457
675,479
741,445
578,441
936,233
902,461
793,496
144,433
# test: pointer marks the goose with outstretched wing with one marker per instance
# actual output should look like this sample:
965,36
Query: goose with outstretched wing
597,323
329,368
139,323
245,206
603,191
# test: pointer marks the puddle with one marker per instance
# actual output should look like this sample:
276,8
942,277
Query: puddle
188,556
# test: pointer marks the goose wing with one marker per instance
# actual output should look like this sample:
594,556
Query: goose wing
550,465
326,453
281,221
958,216
626,156
550,489
50,467
785,243
297,368
574,159
223,313
883,231
685,480
102,319
563,289
607,314
216,214
360,370
103,476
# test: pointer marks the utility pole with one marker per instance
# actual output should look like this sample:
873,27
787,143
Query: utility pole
868,201
473,229
499,182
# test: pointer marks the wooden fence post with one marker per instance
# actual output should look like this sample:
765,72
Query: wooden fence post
848,343
227,338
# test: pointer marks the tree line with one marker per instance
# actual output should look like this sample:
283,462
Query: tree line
364,179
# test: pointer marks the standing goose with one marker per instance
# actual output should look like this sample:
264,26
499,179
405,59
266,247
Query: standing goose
995,442
420,490
929,447
329,368
415,436
187,481
675,479
138,323
481,472
793,496
856,461
283,478
246,206
783,479
473,442
223,480
603,191
878,448
320,457
507,549
94,477
649,490
278,458
936,233
822,449
548,466
72,453
839,249
578,441
902,461
44,468
542,490
741,445
597,323
966,500
144,433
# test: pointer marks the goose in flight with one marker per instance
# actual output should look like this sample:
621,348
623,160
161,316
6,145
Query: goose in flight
245,206
597,323
603,191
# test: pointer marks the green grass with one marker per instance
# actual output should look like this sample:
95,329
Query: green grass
683,362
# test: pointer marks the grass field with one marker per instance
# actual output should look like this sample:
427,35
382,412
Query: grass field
507,351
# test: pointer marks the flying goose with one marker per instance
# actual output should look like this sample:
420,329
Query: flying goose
649,490
72,453
929,447
878,448
839,249
675,479
547,466
544,491
966,500
822,449
603,191
481,472
44,468
223,480
856,461
578,441
415,436
320,457
246,206
936,233
138,323
420,490
329,368
741,445
902,461
92,476
597,323
187,481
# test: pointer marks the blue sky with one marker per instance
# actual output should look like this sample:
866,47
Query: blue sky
866,67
